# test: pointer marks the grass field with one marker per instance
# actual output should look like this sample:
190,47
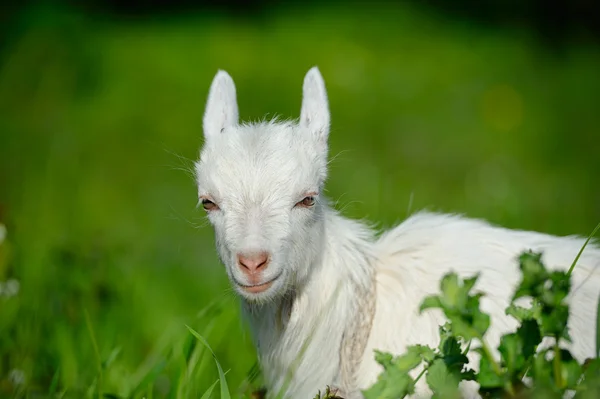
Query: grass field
100,121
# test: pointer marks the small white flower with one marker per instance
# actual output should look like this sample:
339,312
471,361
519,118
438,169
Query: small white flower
2,233
16,376
11,287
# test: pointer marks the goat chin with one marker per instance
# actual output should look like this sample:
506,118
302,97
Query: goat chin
338,293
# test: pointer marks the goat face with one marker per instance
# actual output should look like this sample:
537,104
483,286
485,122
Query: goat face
260,185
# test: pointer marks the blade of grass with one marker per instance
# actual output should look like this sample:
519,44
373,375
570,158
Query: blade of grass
582,248
111,358
222,379
251,377
53,384
96,351
208,392
148,378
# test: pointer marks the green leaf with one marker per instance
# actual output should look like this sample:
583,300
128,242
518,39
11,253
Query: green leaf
470,322
431,302
442,382
383,358
426,353
542,370
511,350
450,289
558,289
391,384
520,313
459,306
461,328
529,333
452,354
469,283
554,321
571,369
395,381
534,275
487,377
481,321
411,359
590,387
449,346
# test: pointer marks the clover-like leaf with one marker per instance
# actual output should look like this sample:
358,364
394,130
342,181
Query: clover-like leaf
412,358
391,384
442,382
383,358
460,306
451,352
395,381
520,313
426,353
431,302
534,275
450,290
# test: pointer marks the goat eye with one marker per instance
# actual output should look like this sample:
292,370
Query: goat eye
307,202
208,205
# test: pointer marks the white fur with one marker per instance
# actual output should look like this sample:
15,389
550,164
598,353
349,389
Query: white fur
256,173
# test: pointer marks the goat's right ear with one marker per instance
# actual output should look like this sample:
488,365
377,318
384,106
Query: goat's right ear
314,114
221,107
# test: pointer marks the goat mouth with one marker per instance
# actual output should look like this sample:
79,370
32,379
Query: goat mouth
258,288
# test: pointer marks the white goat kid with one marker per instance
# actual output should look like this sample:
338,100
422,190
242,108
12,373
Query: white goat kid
319,290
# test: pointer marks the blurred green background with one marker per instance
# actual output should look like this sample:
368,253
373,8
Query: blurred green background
100,121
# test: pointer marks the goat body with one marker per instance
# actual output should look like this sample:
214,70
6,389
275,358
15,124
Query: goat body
320,291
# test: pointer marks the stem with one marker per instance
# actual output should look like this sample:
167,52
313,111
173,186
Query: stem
556,365
421,373
425,367
488,353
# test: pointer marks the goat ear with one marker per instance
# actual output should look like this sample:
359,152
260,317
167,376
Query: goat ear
221,107
314,114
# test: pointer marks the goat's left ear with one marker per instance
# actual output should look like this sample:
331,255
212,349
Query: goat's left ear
314,115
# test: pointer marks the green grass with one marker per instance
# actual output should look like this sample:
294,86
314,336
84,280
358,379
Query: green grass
100,121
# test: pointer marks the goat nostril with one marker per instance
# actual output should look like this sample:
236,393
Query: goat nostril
253,262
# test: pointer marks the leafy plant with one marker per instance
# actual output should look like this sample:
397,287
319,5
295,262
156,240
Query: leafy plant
549,372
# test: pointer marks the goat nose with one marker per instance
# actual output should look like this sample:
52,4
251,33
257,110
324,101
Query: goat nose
251,263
